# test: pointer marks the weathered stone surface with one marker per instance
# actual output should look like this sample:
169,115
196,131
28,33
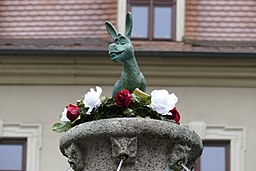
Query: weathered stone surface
147,144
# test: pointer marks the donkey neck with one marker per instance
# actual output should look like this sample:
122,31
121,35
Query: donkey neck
131,66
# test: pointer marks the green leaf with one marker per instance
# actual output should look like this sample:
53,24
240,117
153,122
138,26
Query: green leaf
61,127
103,99
147,100
136,98
79,103
144,97
83,110
127,111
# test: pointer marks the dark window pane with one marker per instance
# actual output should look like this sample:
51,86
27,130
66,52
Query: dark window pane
162,22
11,157
213,159
140,21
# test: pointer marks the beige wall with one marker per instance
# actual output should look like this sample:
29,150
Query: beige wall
43,104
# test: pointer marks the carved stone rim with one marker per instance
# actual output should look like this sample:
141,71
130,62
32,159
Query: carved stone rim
186,144
131,127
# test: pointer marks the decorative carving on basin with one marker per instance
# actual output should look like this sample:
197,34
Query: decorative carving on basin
146,144
124,147
75,154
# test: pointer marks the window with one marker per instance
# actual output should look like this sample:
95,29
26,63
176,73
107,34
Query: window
13,154
153,19
23,140
215,157
234,135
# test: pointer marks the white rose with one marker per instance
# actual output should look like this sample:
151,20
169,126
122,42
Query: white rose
92,99
64,115
162,102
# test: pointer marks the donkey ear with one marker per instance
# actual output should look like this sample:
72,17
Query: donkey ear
111,30
128,30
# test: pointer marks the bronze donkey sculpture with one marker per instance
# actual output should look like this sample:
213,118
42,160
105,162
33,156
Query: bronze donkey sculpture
122,51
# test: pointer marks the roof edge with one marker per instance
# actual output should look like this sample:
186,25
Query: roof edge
101,52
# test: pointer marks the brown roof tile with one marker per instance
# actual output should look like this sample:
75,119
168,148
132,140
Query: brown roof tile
28,19
157,45
222,20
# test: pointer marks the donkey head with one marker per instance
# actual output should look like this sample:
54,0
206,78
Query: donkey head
121,49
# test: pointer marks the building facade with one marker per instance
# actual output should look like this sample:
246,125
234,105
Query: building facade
52,52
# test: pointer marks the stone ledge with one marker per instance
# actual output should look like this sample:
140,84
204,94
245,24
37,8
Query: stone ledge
100,70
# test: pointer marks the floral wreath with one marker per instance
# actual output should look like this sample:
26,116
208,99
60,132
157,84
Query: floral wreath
94,106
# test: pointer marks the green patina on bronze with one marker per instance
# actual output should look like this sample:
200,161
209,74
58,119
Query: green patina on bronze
122,51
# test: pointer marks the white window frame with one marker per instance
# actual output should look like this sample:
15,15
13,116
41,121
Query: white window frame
235,134
33,134
180,17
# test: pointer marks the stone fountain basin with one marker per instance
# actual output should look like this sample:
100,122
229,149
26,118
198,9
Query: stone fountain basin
146,144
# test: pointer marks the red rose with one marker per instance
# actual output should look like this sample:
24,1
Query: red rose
123,98
72,112
175,115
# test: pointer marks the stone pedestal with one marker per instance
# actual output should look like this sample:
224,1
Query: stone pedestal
146,145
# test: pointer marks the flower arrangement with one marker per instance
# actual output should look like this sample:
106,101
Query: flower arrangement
94,106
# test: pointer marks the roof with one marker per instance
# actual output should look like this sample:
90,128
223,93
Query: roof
44,19
210,25
221,20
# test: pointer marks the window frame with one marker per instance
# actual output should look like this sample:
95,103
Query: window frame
33,134
151,4
235,134
216,143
